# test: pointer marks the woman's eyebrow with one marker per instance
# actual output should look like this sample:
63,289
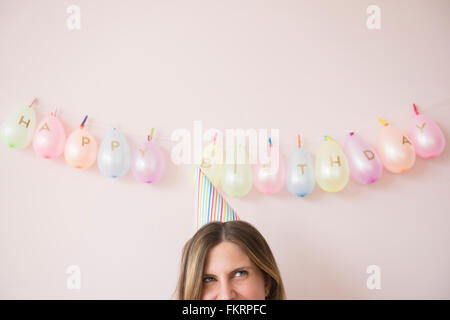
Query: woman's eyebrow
241,268
235,270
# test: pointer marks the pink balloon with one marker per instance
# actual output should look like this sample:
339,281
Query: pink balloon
50,138
427,137
148,163
81,148
395,150
364,162
268,180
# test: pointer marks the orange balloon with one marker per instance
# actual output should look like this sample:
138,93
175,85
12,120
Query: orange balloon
80,151
395,149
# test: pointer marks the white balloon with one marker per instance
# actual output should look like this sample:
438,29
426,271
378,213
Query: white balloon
114,155
300,179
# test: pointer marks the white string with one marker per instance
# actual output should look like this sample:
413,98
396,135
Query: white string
95,123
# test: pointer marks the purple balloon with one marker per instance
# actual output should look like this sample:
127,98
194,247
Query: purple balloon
148,163
364,162
427,137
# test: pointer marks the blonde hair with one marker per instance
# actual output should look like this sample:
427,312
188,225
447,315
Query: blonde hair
241,233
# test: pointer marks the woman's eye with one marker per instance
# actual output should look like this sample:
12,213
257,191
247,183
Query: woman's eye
241,273
208,279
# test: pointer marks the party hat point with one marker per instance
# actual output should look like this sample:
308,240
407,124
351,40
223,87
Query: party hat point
210,206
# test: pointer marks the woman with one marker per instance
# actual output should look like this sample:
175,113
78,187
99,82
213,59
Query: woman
229,260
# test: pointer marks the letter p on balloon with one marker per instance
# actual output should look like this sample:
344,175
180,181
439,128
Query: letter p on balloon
85,141
114,144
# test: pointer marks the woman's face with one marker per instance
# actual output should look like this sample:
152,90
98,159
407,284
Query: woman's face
231,275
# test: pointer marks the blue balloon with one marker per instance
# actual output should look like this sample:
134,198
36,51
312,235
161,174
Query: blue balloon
300,179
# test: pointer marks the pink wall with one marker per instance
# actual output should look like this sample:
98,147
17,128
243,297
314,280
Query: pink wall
300,66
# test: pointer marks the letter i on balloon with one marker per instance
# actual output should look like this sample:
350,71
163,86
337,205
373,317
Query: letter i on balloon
426,136
114,155
396,151
332,170
364,163
18,128
148,162
237,179
50,137
269,176
300,179
81,148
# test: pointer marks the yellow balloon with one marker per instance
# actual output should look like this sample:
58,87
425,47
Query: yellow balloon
237,178
211,164
18,128
331,169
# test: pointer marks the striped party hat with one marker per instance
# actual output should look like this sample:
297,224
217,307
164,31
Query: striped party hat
209,204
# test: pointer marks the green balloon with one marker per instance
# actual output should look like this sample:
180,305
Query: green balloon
237,178
18,128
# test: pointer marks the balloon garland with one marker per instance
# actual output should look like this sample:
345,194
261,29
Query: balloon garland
395,151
